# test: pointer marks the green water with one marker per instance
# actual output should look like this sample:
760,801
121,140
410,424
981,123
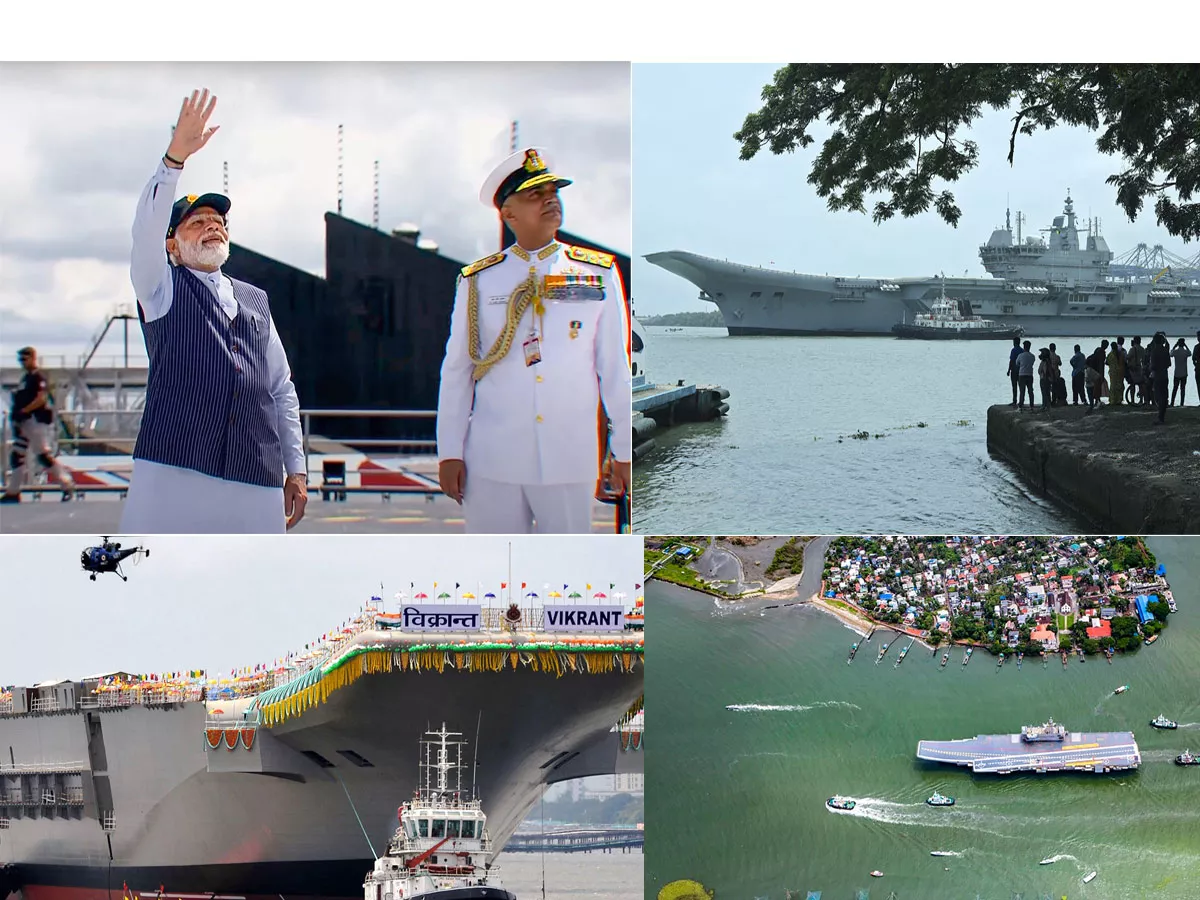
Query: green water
738,797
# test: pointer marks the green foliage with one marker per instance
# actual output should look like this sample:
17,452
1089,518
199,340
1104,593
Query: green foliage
1065,641
1128,553
789,559
896,129
1159,610
1090,645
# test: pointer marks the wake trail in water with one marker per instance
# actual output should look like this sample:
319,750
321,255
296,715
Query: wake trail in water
1059,856
820,704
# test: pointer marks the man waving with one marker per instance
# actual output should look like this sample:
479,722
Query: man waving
220,448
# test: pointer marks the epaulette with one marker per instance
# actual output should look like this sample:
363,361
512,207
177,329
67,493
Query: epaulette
595,257
480,265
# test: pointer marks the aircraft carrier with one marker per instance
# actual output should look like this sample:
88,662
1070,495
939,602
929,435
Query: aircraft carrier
1038,748
1051,287
185,790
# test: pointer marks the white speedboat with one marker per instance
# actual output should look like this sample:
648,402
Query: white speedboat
1088,877
441,851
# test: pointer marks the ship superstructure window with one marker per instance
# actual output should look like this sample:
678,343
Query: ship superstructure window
468,828
424,828
778,295
439,828
411,827
452,828
755,295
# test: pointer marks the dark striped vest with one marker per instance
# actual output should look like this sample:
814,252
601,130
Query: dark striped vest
208,394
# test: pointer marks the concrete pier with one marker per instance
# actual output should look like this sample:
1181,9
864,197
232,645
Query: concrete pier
658,406
1114,467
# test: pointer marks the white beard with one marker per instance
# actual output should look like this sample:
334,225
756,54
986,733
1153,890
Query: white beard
197,254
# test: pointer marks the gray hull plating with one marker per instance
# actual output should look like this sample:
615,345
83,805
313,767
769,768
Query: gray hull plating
758,301
300,792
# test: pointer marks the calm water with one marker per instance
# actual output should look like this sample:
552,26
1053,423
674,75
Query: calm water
738,797
573,876
774,464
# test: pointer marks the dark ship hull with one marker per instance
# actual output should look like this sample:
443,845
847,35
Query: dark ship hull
950,333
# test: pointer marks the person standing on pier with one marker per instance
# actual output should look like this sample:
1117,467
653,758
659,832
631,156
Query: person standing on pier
538,337
32,417
1012,367
1116,373
220,448
1078,367
1025,362
1196,365
1160,373
1181,355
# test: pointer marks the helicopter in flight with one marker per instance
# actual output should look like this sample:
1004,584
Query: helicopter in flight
108,556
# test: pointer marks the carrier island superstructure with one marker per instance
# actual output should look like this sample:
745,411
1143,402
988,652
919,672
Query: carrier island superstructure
285,781
1056,286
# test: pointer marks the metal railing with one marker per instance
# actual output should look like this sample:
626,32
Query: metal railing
424,445
41,768
307,415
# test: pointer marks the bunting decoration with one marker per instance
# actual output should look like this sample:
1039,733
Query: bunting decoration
558,657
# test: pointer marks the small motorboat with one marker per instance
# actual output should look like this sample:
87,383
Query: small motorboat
839,803
1048,861
941,853
938,800
1162,721
1122,689
1187,758
876,874
1088,877
1151,639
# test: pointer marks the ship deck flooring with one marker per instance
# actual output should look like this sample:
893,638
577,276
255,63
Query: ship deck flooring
1004,753
359,514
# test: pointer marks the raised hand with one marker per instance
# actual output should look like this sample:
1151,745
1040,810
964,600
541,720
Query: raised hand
192,131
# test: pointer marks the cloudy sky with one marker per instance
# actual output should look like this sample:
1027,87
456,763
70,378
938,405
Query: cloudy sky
217,603
81,140
694,193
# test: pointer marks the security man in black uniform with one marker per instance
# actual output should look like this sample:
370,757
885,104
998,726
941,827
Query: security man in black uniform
32,416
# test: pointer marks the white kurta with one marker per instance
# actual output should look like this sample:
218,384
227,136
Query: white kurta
535,426
170,500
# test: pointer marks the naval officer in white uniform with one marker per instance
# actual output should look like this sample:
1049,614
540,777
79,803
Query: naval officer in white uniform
220,448
538,337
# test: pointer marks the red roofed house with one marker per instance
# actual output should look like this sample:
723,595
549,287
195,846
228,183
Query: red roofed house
1104,630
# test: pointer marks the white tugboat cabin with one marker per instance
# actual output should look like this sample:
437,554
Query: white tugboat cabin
441,851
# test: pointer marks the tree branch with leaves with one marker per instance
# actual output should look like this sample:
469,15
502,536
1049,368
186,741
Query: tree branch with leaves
896,129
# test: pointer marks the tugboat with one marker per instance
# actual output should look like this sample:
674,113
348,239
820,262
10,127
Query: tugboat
441,851
837,802
938,800
1186,758
951,319
1163,722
